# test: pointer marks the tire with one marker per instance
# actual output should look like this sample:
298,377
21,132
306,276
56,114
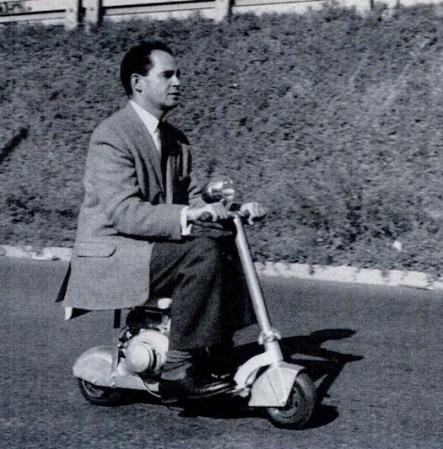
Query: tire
104,396
300,406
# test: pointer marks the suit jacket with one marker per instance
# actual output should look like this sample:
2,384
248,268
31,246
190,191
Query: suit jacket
129,204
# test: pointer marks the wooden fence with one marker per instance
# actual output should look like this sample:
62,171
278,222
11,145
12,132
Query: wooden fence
66,12
72,13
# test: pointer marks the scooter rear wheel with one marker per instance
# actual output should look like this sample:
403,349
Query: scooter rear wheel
100,395
300,406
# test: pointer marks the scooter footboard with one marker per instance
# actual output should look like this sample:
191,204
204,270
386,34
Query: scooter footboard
273,387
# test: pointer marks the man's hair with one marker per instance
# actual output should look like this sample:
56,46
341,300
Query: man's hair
138,60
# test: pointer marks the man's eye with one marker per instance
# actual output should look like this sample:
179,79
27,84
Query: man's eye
170,74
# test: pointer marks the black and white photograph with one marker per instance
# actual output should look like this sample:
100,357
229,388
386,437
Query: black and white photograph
221,224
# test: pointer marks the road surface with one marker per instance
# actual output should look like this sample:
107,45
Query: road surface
375,354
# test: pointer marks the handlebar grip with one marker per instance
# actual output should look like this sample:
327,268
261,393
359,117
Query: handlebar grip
244,215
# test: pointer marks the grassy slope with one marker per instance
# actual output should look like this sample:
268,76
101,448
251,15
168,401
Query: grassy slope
332,120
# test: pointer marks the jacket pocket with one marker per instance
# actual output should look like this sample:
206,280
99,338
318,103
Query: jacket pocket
94,250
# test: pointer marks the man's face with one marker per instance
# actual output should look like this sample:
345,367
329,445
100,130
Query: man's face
159,90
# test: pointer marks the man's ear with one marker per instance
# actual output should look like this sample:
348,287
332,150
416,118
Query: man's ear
137,82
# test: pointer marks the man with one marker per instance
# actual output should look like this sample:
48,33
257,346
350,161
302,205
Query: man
135,236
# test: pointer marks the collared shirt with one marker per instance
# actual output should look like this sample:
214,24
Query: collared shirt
151,124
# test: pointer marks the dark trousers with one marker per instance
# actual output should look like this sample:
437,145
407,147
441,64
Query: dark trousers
208,291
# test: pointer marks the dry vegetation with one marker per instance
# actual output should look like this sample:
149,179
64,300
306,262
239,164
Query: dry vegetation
332,120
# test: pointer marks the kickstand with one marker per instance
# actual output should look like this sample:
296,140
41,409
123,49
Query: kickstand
115,355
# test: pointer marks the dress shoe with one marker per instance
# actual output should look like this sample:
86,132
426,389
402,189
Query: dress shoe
219,362
223,376
192,387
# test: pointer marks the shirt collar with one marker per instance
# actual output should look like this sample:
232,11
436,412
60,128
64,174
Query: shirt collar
146,117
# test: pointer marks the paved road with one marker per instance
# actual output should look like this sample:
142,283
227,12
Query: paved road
375,353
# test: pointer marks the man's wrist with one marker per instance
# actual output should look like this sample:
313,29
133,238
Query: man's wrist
184,225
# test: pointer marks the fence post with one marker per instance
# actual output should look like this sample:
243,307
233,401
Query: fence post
92,12
222,9
72,14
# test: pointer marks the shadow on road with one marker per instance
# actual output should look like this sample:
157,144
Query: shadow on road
327,364
323,365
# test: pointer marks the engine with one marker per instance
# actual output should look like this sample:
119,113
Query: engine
144,342
145,353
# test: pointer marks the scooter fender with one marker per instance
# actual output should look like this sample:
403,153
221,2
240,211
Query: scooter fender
273,387
96,366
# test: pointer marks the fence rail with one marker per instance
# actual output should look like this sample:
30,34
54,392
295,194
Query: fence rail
159,9
72,13
66,12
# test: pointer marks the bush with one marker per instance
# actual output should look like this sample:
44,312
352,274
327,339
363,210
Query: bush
330,119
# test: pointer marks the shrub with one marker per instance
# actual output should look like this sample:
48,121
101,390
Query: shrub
330,119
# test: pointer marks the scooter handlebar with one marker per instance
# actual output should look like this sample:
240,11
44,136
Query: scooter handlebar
244,215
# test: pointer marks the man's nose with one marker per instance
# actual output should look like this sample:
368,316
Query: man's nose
176,80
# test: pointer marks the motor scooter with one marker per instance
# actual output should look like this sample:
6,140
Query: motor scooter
266,381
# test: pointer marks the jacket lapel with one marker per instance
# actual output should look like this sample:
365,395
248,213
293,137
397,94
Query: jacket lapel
144,144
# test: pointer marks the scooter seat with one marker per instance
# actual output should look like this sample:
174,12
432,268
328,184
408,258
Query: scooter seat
152,313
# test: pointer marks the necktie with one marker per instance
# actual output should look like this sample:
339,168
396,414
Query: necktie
162,146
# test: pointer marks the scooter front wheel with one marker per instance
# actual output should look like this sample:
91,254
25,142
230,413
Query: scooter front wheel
100,395
300,406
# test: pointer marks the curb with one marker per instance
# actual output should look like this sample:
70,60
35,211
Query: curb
344,274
